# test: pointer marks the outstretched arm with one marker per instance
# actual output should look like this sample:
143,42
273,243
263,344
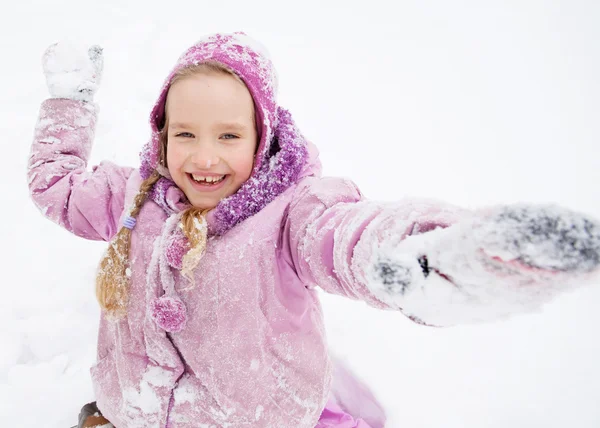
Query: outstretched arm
87,203
439,264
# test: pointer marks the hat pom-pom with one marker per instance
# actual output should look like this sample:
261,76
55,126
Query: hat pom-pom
169,313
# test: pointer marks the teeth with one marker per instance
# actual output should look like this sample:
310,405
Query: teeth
201,178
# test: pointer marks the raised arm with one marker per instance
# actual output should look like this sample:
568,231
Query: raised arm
87,203
327,220
439,264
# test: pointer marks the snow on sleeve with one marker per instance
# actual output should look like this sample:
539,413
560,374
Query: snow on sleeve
86,203
333,234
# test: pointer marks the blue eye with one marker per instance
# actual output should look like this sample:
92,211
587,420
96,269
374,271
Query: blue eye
185,135
229,136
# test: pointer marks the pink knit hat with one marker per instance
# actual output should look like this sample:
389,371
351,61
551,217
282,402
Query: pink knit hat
282,151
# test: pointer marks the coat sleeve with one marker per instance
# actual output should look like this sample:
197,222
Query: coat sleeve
87,203
329,220
439,264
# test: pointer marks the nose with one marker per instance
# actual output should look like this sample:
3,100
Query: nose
204,156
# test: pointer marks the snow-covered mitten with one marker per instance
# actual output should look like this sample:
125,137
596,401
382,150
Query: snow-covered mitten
499,262
72,71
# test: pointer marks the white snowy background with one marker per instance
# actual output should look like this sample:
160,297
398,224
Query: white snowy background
472,102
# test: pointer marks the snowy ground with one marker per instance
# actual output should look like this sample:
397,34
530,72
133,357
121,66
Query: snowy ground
470,103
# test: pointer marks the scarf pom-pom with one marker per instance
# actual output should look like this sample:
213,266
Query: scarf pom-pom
169,313
176,249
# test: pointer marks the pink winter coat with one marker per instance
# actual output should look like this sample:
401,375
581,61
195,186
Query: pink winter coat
254,351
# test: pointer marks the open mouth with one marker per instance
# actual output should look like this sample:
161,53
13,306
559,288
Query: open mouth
207,182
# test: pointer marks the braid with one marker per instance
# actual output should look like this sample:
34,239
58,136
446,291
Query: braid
112,280
193,221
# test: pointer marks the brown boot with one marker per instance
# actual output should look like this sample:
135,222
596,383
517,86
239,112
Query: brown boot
90,417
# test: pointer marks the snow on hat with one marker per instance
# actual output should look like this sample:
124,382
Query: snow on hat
282,150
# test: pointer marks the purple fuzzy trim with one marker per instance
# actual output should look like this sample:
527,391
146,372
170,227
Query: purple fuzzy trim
159,193
149,156
274,177
169,313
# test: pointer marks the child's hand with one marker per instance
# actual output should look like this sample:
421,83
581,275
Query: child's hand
72,71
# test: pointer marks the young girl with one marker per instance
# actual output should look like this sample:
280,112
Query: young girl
218,240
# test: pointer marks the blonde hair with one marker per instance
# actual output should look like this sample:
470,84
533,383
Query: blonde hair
113,278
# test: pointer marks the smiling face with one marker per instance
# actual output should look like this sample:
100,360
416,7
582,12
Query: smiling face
211,136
